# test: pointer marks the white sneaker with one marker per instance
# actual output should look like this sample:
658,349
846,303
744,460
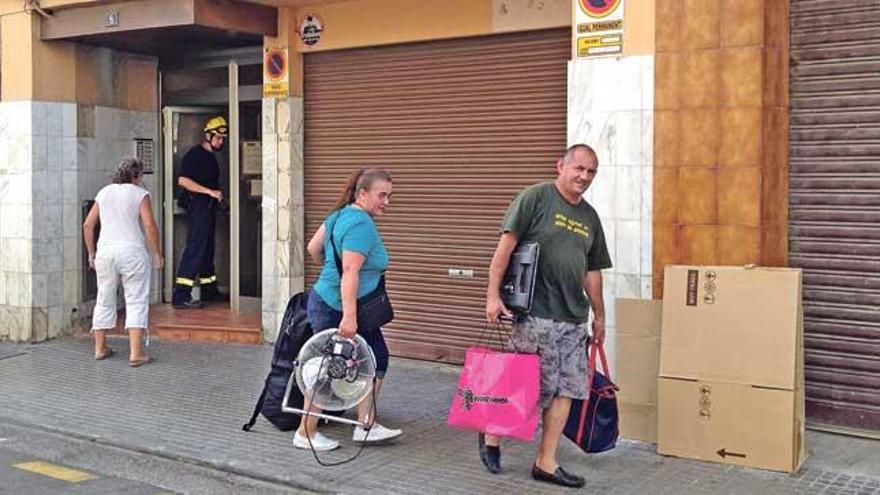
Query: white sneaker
319,442
377,433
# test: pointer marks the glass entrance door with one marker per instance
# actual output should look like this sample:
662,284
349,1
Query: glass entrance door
183,129
234,91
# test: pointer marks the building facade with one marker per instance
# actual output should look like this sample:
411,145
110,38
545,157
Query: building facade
728,132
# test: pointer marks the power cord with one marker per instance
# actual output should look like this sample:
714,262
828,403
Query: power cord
319,384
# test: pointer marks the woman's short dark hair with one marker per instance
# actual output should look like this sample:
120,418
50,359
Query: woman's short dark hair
128,170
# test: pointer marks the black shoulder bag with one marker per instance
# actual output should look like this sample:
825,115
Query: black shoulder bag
374,309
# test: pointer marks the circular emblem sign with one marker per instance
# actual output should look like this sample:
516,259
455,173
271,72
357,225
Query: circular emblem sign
310,30
598,8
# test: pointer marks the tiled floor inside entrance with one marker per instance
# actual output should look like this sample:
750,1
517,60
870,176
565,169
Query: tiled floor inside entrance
215,322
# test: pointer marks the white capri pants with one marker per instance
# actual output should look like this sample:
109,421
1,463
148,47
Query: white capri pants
132,265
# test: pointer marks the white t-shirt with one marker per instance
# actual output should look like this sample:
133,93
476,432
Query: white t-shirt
119,207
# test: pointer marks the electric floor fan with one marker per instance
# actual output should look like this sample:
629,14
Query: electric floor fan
334,374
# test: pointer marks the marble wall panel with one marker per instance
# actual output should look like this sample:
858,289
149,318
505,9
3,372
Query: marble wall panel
48,255
52,157
4,153
39,323
55,150
72,287
16,118
16,254
16,220
40,287
58,324
40,153
5,321
54,120
19,154
69,118
268,116
267,323
627,145
86,152
17,189
40,118
628,193
283,218
20,289
628,259
619,125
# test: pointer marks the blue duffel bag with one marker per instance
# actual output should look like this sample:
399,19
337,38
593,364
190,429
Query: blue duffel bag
593,423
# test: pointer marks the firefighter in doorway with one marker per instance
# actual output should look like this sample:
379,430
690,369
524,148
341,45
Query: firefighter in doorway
200,194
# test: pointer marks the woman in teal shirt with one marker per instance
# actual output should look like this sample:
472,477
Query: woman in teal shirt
333,299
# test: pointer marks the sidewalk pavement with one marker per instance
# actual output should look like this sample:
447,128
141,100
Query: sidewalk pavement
190,403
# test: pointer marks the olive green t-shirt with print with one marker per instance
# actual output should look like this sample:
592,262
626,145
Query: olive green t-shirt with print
572,243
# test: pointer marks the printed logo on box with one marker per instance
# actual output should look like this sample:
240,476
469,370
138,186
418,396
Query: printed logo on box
692,285
709,286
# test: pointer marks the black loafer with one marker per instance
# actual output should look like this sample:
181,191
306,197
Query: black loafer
559,477
491,456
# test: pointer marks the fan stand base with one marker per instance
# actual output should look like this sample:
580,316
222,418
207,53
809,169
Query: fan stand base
328,417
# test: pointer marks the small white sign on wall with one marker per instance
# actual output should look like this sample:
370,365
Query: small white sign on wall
597,29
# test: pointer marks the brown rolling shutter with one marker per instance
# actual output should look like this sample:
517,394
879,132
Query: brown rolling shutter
835,204
463,125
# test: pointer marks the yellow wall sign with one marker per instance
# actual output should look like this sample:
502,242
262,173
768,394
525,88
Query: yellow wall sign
597,29
276,73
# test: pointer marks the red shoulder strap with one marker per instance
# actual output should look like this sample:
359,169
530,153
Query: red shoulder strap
597,350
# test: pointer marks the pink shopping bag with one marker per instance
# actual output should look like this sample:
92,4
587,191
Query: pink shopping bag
498,393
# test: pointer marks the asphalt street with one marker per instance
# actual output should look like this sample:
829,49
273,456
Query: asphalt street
35,462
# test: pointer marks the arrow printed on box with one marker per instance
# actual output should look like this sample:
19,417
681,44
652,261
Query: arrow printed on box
724,453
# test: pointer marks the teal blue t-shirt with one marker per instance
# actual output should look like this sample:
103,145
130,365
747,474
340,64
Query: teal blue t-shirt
355,231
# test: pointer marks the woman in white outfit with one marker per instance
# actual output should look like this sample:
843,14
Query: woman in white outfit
123,210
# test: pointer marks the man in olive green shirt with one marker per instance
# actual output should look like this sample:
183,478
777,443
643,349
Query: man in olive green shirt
568,283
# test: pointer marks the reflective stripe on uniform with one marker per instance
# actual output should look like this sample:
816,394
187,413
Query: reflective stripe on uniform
208,280
184,281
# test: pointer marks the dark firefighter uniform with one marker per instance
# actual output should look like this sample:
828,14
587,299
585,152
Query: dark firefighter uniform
197,263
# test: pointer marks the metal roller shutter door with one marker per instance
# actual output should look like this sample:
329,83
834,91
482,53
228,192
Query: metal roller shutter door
463,125
835,204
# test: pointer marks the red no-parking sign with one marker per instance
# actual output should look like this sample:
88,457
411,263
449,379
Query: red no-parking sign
599,8
275,72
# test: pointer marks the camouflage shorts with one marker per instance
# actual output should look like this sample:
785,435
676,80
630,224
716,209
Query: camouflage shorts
563,350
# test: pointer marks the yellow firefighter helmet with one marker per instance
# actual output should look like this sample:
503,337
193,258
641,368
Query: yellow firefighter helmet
217,125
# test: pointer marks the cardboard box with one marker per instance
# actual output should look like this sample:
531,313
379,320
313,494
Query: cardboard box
732,423
638,358
252,157
731,386
731,324
638,421
639,316
638,363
